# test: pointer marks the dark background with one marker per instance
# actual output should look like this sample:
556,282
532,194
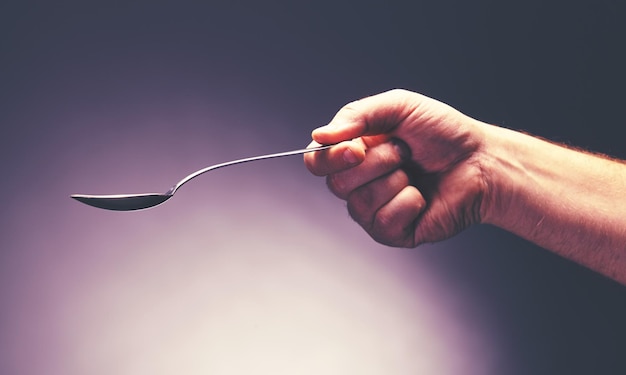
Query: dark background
94,91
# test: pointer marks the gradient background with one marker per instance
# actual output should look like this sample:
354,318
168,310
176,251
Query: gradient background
257,268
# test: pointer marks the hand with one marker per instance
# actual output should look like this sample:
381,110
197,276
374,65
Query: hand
408,166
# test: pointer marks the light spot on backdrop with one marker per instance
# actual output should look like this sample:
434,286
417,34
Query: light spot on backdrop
253,269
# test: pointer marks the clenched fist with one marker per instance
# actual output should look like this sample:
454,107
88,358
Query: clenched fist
408,166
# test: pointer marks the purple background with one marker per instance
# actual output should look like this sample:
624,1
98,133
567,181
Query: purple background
257,268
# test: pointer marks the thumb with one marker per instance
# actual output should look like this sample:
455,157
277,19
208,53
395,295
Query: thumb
378,114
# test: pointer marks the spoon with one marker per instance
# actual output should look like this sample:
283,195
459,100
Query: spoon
131,202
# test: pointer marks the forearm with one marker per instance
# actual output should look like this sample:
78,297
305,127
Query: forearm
567,201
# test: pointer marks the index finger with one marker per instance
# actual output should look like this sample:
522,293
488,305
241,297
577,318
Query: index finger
335,159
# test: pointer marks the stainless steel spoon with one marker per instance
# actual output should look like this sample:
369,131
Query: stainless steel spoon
131,202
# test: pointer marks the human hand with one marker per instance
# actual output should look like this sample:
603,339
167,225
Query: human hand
408,166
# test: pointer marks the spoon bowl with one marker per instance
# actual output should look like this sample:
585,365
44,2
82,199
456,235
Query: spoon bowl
123,202
133,202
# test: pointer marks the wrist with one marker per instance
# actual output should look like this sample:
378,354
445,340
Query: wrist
501,158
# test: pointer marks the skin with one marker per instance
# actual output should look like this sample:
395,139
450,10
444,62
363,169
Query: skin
414,170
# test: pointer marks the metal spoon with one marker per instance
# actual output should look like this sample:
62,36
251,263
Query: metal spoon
131,202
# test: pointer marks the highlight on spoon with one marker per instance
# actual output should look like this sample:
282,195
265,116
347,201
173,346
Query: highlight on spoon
122,202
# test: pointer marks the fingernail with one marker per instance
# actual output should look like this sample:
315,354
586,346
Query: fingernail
349,157
401,148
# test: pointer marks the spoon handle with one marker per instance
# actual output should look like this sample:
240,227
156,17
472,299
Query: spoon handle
245,160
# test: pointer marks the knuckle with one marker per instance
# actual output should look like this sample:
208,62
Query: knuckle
401,95
337,185
360,207
313,167
383,221
390,239
398,91
386,230
318,171
358,215
352,107
363,196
